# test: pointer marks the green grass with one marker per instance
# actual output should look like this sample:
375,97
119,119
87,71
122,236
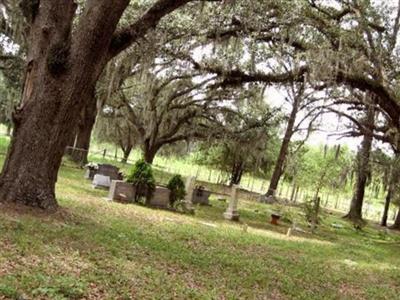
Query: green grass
94,249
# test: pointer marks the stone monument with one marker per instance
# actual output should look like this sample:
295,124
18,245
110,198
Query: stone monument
231,212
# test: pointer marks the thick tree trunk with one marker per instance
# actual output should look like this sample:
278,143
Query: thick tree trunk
59,75
278,169
127,151
61,68
386,208
396,224
237,173
149,156
150,151
84,131
355,212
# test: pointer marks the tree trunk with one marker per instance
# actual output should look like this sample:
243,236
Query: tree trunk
293,194
355,213
150,151
237,173
386,209
60,71
278,169
61,68
127,151
9,128
84,130
396,224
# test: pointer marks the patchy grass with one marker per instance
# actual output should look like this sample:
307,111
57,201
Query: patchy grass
94,249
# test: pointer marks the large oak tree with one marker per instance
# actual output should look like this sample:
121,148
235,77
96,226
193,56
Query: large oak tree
67,52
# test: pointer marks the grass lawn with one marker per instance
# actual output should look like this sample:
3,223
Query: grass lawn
94,249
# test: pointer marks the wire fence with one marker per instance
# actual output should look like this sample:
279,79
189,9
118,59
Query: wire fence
165,166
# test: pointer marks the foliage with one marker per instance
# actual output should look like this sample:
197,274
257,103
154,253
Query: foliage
177,188
117,130
311,210
310,163
141,176
249,143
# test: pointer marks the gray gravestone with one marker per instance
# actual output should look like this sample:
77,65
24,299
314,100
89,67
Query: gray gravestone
160,197
110,171
201,197
101,181
232,213
121,191
190,183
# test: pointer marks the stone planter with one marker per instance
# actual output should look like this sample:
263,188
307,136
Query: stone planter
160,198
201,197
274,219
121,191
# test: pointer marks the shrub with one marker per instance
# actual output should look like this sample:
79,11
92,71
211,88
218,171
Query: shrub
312,212
141,176
177,188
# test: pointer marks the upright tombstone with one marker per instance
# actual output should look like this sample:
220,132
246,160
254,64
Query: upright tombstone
190,185
160,198
101,182
201,196
231,212
110,171
103,169
122,191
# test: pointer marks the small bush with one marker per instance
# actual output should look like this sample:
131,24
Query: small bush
141,176
177,188
311,210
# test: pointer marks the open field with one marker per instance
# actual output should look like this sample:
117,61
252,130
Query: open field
94,249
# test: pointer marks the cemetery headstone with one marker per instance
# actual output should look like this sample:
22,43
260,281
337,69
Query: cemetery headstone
109,170
103,169
190,184
201,196
232,213
101,182
160,198
121,191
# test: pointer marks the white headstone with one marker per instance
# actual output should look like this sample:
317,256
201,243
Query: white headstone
101,181
190,184
232,213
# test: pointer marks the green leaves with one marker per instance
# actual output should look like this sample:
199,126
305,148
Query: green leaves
177,188
141,176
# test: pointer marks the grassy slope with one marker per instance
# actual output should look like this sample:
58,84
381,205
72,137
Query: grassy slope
94,249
